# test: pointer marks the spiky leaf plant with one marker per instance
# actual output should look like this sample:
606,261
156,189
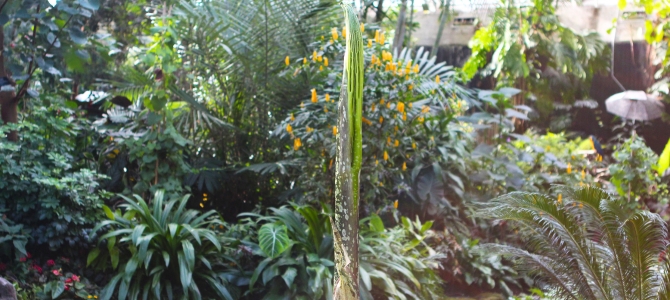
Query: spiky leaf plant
162,251
585,245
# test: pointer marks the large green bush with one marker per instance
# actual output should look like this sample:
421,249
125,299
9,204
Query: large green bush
48,182
162,251
396,262
410,111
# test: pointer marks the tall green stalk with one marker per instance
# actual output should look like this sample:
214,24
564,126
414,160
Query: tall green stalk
348,162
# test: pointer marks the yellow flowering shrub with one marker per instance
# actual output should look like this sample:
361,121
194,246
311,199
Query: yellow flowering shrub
409,106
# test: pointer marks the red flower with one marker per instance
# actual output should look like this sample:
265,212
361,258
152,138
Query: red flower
28,255
67,288
3,267
75,278
37,268
51,263
69,280
22,259
56,272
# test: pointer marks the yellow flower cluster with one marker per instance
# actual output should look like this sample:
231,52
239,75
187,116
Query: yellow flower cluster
387,56
425,109
333,33
287,61
391,66
296,144
375,61
400,107
379,37
314,97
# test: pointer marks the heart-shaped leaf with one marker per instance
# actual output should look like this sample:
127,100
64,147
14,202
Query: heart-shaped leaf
273,239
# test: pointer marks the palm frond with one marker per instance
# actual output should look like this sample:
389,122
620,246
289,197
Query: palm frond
266,168
586,245
647,237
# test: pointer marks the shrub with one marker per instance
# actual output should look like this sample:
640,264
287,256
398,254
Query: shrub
633,174
47,181
397,262
162,251
296,248
410,109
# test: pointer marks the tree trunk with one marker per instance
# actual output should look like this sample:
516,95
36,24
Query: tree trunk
411,22
8,105
444,16
380,11
400,28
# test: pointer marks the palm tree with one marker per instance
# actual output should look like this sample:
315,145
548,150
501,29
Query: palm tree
585,245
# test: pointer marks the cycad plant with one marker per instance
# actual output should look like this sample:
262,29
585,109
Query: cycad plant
162,252
584,244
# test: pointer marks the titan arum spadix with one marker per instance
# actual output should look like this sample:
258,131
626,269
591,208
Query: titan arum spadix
348,162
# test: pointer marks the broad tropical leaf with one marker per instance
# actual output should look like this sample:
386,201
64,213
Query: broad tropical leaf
273,239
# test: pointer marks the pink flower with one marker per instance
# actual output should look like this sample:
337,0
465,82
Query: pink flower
69,280
22,259
28,255
56,272
51,263
67,288
75,278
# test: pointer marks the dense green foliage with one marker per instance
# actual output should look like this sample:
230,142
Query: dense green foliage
409,127
48,184
165,250
185,149
530,49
